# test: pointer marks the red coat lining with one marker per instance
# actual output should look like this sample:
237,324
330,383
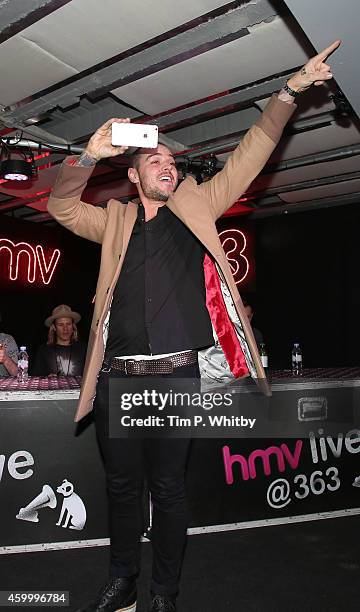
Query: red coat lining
221,321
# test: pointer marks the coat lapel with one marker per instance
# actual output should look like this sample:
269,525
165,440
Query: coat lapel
189,207
129,222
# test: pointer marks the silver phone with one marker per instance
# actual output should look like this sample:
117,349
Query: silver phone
134,135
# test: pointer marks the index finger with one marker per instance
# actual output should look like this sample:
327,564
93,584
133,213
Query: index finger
323,54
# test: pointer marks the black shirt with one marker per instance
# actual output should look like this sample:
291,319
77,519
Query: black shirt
159,302
60,360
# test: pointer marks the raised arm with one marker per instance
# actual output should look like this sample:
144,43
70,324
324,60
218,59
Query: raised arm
65,203
248,159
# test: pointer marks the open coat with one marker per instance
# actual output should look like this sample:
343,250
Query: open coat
198,207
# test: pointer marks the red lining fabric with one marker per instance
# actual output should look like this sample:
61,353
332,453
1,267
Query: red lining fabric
221,321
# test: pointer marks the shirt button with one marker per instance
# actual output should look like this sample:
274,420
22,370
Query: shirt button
149,300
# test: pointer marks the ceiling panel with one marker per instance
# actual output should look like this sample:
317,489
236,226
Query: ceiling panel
226,67
81,34
86,32
323,139
26,68
312,102
267,44
325,191
220,126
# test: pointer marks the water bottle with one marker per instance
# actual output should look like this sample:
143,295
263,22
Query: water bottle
23,365
296,360
263,355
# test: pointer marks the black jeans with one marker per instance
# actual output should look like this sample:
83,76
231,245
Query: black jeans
163,461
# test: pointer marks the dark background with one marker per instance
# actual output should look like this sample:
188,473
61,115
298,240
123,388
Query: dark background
23,306
307,284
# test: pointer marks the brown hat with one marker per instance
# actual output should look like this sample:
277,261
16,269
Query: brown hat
62,311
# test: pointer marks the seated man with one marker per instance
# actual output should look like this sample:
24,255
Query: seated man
63,354
8,355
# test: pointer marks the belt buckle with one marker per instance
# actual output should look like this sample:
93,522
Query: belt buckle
126,363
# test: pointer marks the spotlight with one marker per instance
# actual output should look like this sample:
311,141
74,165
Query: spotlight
16,164
208,166
16,170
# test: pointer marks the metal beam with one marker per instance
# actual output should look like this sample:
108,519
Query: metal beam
315,158
310,184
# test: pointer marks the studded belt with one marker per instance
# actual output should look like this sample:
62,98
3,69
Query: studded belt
143,367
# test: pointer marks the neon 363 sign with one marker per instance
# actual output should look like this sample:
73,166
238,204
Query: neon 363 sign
29,260
234,244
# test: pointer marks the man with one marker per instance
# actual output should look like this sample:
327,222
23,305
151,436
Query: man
8,355
250,315
63,355
163,276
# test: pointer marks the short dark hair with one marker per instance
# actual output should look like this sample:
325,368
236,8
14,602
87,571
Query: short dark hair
135,158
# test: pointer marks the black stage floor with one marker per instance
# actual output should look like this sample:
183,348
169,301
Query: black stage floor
303,567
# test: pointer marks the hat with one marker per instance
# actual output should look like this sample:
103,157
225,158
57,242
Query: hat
62,311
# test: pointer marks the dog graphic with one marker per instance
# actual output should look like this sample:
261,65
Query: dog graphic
73,509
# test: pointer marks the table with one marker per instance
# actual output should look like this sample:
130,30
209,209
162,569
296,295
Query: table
52,482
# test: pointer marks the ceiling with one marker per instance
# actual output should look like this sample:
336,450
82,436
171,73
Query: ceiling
202,71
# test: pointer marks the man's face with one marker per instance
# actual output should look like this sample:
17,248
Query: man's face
156,176
64,328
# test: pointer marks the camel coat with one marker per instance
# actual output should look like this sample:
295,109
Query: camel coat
197,206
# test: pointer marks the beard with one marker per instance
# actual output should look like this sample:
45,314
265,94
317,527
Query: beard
152,193
156,196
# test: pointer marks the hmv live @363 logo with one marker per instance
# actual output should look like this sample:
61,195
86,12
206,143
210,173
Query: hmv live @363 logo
313,474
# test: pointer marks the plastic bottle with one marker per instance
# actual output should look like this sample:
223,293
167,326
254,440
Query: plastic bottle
23,365
296,360
264,355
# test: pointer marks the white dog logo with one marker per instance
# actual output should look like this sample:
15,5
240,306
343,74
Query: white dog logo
73,509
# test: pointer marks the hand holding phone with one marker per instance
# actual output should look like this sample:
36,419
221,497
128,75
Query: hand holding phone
100,146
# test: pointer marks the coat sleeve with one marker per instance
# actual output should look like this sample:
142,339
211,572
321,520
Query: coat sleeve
66,207
248,159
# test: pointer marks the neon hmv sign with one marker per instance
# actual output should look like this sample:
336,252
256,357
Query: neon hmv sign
234,243
29,262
